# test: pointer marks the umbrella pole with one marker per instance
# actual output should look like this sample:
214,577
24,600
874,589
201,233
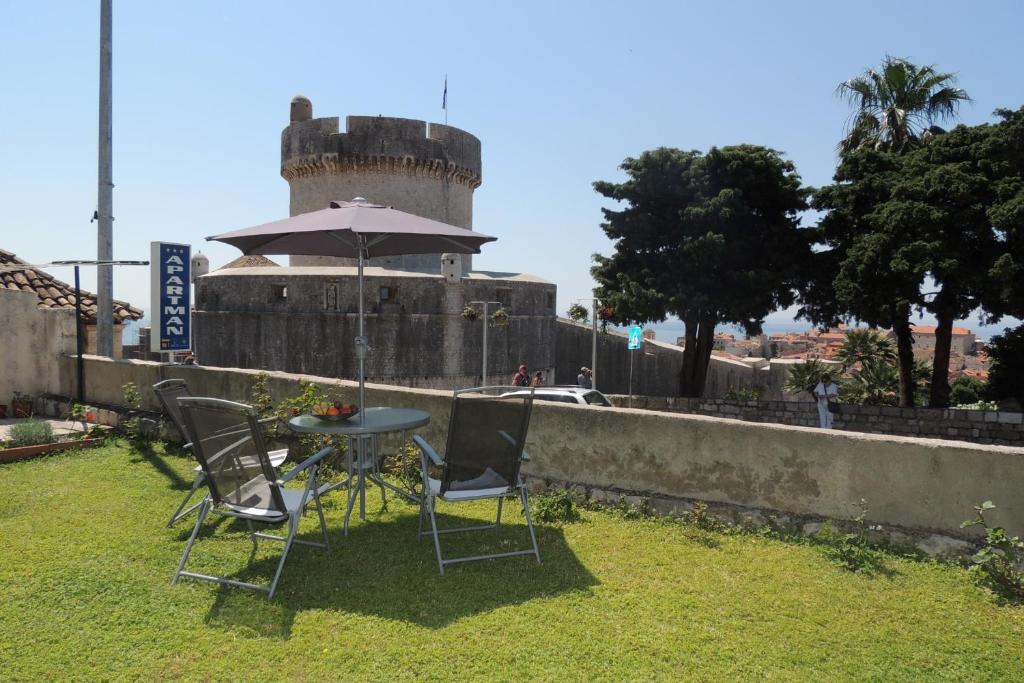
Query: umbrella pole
361,339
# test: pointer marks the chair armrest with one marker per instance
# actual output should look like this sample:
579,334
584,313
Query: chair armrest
512,442
428,450
307,463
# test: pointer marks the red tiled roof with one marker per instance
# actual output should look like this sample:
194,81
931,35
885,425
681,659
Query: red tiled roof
249,261
56,294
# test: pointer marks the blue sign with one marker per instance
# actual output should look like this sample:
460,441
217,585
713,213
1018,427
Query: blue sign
636,335
170,296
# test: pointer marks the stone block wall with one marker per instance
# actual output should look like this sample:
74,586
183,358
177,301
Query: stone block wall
977,426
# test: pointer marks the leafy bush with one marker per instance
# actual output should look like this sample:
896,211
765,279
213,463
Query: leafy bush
805,376
259,396
579,313
699,517
1006,373
997,565
964,390
851,551
31,433
743,394
552,507
131,424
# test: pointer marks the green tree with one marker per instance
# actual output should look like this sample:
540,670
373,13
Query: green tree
876,382
864,345
1006,372
711,238
897,106
805,376
966,390
866,267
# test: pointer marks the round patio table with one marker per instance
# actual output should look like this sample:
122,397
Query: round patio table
362,456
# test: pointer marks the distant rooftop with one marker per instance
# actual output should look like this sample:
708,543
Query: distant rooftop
53,293
251,261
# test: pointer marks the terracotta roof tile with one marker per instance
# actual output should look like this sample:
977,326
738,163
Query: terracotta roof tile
53,293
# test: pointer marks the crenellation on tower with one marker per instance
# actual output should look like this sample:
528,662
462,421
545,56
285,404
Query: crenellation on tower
428,169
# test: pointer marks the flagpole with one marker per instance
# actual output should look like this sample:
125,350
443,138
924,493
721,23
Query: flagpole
444,100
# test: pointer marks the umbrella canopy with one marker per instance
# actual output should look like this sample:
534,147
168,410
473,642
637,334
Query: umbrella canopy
337,230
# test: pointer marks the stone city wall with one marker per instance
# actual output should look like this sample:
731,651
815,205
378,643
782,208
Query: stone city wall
923,485
418,337
656,366
977,426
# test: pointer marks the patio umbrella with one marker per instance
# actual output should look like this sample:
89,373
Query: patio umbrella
360,230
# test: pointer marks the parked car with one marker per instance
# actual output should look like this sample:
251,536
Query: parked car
567,394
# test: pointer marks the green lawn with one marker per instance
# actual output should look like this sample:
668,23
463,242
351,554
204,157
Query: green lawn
85,568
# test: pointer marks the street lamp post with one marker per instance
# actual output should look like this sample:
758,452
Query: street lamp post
485,304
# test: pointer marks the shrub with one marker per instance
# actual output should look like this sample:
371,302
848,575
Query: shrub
743,394
554,507
132,422
997,565
964,390
852,551
1006,372
31,433
259,396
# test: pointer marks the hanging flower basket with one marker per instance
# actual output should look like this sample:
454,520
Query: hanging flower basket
470,313
605,315
578,313
500,318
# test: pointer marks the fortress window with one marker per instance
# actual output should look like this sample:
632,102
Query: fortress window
278,292
504,296
551,301
202,294
331,296
388,293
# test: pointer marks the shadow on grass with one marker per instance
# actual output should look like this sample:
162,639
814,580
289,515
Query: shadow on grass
146,453
379,569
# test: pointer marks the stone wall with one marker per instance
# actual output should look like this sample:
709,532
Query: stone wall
32,339
977,426
656,366
925,485
418,337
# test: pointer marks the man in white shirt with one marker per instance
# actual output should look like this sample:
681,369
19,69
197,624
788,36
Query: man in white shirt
826,392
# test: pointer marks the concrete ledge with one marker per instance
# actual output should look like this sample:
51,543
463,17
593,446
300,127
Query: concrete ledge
916,483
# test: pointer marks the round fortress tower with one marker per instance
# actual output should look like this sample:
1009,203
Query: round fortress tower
428,169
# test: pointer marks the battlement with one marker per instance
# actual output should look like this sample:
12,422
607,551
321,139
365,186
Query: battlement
379,144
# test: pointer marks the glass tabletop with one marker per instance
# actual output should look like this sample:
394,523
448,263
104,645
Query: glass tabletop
376,420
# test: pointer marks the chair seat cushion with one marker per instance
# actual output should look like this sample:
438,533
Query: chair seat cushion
292,500
276,458
465,493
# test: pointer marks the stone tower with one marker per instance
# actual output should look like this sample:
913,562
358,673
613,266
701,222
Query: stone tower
428,169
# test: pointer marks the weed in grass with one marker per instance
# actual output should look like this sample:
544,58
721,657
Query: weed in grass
556,507
997,566
852,550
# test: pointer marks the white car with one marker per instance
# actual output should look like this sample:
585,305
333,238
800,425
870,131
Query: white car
567,394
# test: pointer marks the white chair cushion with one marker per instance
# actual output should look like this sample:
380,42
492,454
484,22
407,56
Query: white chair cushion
465,494
292,501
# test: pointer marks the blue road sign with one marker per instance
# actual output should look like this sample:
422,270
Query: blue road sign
170,293
635,337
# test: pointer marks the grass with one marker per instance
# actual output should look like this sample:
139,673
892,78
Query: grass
85,568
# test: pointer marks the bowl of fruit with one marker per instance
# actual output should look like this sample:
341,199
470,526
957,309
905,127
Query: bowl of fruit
334,411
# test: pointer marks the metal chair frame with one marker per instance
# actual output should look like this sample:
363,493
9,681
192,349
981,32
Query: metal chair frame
213,503
169,386
428,502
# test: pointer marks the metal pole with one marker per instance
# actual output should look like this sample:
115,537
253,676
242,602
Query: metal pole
80,364
484,384
630,378
105,205
593,348
361,339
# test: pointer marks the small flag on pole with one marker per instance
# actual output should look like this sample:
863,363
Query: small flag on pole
444,97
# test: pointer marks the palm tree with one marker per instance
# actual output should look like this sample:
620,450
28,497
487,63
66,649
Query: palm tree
804,376
865,345
898,105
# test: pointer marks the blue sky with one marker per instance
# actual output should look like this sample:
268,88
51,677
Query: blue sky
559,94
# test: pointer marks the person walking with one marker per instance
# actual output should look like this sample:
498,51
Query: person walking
521,378
583,379
538,379
827,395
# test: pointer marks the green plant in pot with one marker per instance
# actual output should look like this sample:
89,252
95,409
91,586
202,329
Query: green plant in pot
21,404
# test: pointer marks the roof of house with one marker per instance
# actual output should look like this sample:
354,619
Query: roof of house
250,261
53,293
930,329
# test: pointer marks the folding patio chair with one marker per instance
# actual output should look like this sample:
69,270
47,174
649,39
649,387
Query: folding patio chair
168,392
242,481
485,448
